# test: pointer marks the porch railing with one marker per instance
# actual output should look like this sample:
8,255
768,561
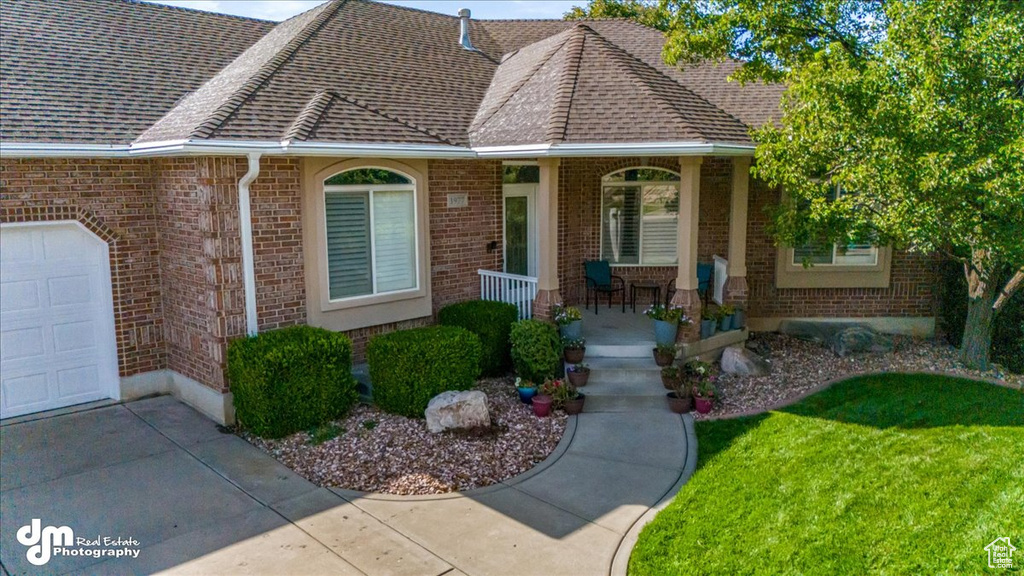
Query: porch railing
510,288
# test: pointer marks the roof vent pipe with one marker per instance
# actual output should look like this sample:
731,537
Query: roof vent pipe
464,30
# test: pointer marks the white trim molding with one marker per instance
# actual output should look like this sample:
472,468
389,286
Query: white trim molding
365,150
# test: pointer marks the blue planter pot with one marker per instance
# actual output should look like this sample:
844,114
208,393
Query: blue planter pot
725,324
739,319
526,394
572,330
707,328
665,332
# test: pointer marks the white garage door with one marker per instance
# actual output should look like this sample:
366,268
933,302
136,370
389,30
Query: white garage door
57,345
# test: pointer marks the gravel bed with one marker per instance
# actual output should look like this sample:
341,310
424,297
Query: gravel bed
380,452
799,366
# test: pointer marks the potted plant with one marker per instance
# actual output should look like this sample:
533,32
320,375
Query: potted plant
558,390
670,376
739,318
570,321
679,399
708,323
578,374
574,404
667,320
703,385
541,405
574,349
526,389
725,313
664,354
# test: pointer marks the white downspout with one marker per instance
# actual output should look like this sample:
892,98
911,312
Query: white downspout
245,226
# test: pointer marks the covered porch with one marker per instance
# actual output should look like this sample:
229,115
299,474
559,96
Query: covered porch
654,219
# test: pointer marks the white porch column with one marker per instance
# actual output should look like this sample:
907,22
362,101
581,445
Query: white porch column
547,239
686,244
736,284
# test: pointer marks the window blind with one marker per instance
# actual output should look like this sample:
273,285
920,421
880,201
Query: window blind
348,244
394,240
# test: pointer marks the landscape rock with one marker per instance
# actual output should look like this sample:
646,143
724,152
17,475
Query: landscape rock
743,362
813,331
857,340
457,410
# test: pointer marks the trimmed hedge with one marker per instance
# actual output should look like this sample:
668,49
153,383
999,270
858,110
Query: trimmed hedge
536,350
409,367
492,322
291,379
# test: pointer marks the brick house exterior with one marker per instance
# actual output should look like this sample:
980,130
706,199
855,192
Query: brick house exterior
164,187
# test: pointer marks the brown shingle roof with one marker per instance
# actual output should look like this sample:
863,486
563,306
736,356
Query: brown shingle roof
577,87
357,71
103,71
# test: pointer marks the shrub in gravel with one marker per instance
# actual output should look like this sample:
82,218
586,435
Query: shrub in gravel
409,367
492,322
536,350
291,379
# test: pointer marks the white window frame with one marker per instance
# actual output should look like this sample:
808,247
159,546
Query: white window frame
369,189
839,252
640,239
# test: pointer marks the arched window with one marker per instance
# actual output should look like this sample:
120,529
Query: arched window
371,233
639,214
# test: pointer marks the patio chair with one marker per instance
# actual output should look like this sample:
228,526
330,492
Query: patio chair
600,280
704,274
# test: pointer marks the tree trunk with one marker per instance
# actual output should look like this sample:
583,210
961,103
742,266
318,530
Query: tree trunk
974,351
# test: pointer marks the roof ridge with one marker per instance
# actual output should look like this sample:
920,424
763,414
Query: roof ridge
624,59
216,119
478,122
558,114
313,112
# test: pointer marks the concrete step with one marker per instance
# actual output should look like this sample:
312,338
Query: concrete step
633,350
598,403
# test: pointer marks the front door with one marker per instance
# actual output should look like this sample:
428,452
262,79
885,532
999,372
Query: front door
520,229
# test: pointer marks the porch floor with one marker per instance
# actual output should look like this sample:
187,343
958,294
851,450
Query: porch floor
612,327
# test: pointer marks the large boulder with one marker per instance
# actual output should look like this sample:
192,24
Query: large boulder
857,340
820,331
462,410
744,362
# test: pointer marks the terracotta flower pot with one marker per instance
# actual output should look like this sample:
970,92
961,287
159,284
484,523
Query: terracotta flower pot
575,355
703,404
579,379
575,406
542,405
679,405
668,382
663,358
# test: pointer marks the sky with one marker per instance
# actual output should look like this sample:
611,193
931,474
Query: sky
283,9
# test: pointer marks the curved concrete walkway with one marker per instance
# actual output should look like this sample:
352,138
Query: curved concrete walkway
200,501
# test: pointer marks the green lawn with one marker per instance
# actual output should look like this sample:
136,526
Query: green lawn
889,474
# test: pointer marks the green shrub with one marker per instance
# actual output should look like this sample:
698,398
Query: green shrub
1008,332
409,367
291,379
492,322
536,350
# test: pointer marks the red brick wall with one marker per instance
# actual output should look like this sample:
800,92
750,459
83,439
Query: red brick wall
459,236
276,206
114,199
579,219
911,290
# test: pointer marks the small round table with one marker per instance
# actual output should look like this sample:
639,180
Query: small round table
652,288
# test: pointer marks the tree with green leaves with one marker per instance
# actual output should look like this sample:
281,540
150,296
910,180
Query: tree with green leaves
914,108
647,12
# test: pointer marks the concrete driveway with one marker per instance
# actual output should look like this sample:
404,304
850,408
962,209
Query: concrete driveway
169,488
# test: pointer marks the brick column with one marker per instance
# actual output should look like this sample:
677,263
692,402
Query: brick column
547,240
736,283
686,245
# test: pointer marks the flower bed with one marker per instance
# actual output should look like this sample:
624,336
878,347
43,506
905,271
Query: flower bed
379,452
799,366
